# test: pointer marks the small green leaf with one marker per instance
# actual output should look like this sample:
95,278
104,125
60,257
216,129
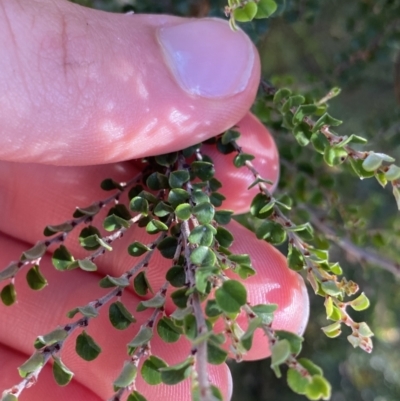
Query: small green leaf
326,119
8,397
36,252
177,196
167,330
212,308
310,366
88,311
36,361
331,288
295,259
156,302
87,265
333,330
364,330
109,282
334,156
10,271
88,238
223,216
372,162
215,354
137,249
141,285
204,212
150,370
180,298
62,375
318,388
183,211
109,184
280,95
126,377
265,312
245,13
203,170
178,178
358,168
51,338
224,237
202,235
280,352
230,136
216,199
143,336
155,226
168,247
35,278
60,228
177,373
176,276
231,296
303,111
167,159
86,347
117,217
258,203
294,340
265,8
360,303
190,327
119,316
272,232
393,173
8,294
296,381
302,133
90,211
136,396
203,256
62,258
140,205
157,181
319,142
241,159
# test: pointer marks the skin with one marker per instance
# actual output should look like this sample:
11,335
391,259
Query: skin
49,94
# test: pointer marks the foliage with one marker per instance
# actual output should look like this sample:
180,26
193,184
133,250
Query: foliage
176,200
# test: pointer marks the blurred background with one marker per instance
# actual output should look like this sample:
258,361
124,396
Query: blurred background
312,46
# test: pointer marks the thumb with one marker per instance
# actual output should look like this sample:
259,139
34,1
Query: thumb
80,86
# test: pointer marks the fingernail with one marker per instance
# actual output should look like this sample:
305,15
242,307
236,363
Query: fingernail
207,58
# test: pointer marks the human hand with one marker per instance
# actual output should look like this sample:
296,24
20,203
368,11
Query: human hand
86,88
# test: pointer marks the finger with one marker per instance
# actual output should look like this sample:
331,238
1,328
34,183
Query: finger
34,315
92,87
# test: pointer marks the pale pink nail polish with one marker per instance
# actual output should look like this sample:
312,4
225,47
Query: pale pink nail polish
208,58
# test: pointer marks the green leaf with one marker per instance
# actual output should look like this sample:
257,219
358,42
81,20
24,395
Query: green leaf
303,111
119,316
178,178
334,156
61,373
162,209
87,265
358,168
203,256
177,373
204,212
272,232
202,277
179,314
294,340
109,282
183,211
331,288
231,296
241,159
258,203
318,388
216,199
88,238
8,397
137,249
190,327
51,338
212,308
36,252
245,13
126,377
8,294
230,136
109,184
117,217
167,159
89,211
360,303
155,226
180,298
224,237
203,170
295,259
265,8
393,173
325,119
141,284
36,361
223,216
35,278
310,366
88,311
296,381
136,396
280,352
177,196
143,336
302,133
372,162
140,205
156,302
265,312
215,354
202,235
167,330
9,272
280,95
168,247
86,347
59,228
62,259
319,142
176,276
247,337
150,370
333,330
157,181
